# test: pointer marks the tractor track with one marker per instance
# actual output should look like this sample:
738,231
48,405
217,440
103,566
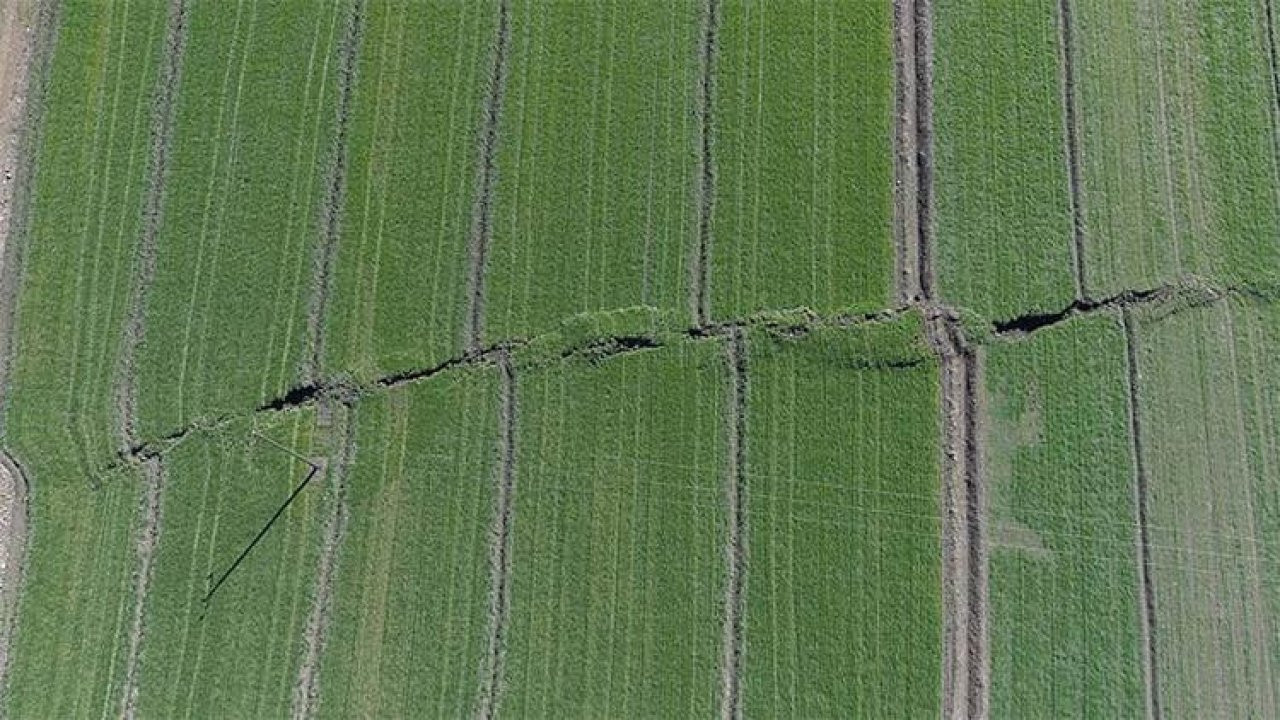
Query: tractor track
486,180
1071,140
148,538
905,168
735,552
700,265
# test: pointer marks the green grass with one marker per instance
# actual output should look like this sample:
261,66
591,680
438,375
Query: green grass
843,581
1065,628
618,540
409,630
803,157
1180,168
226,321
400,281
593,206
1209,432
238,653
88,196
1003,236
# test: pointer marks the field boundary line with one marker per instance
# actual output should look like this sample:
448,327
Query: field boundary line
162,119
700,265
332,210
906,227
145,548
735,551
1071,142
922,24
486,179
1146,582
306,695
492,676
15,527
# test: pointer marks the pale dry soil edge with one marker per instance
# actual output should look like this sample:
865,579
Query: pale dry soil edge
735,552
14,520
486,180
906,230
492,677
306,694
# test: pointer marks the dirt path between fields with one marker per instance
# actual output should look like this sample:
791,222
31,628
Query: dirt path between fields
1071,140
700,265
306,692
486,180
922,27
1146,588
144,270
492,676
906,212
335,193
14,522
735,553
147,540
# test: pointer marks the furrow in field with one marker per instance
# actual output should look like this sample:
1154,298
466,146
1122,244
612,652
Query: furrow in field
335,193
1071,136
1273,65
979,658
906,227
148,537
699,285
922,22
735,551
486,178
306,693
1146,586
161,131
500,548
15,515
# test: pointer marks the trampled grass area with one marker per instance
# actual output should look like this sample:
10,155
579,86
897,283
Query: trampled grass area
843,575
617,558
400,281
1180,167
1066,638
1209,398
802,149
1004,233
409,628
87,202
594,205
226,321
237,654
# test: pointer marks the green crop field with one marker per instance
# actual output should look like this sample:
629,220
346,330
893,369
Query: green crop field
697,358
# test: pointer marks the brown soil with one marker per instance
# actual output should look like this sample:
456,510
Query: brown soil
905,170
306,693
926,273
500,549
735,555
486,180
147,540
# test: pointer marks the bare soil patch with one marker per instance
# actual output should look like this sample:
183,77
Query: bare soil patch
148,538
14,517
735,490
905,169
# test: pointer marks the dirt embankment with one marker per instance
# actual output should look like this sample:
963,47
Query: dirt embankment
735,553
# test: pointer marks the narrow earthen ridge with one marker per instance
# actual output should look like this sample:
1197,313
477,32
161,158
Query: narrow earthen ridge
162,118
15,521
1146,583
492,677
27,103
1274,66
306,694
735,552
336,185
979,658
1071,120
906,229
926,273
486,180
700,267
147,540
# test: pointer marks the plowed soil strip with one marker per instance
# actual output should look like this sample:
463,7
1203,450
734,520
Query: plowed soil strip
979,658
1072,140
1146,588
923,27
331,212
306,694
148,538
735,556
700,268
145,259
486,172
500,549
905,207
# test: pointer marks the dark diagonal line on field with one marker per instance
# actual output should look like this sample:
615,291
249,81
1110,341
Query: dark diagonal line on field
700,267
500,547
735,554
486,180
312,470
1072,140
331,211
1146,587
